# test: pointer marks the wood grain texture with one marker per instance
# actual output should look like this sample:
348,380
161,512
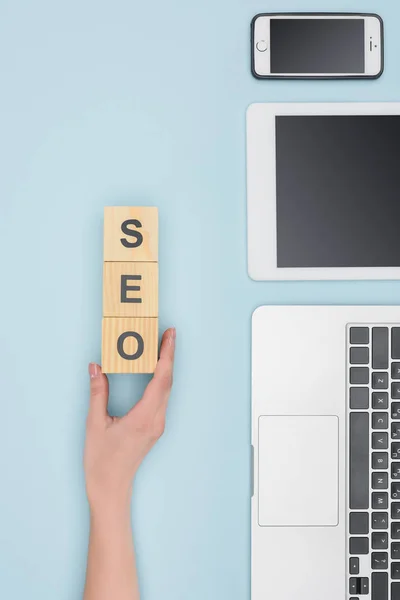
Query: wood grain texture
117,335
119,300
128,226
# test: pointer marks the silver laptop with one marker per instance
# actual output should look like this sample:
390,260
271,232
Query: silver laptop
326,438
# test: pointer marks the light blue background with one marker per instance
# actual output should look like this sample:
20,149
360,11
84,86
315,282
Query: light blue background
128,102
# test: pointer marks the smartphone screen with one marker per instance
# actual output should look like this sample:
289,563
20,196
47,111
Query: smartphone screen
317,46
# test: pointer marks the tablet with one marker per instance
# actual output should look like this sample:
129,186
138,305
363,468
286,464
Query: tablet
323,191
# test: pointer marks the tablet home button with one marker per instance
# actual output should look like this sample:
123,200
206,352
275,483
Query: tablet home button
261,46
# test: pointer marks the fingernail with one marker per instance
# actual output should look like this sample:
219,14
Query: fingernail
171,337
94,370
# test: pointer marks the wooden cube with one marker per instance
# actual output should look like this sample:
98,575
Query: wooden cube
129,345
130,289
130,234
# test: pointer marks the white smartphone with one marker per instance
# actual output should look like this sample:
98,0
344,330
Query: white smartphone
317,46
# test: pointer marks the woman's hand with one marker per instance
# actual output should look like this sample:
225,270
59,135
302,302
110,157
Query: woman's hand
115,447
113,452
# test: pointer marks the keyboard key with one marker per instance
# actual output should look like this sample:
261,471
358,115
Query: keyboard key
359,460
380,500
360,335
379,560
395,470
396,391
395,410
380,381
380,347
359,545
380,540
380,460
353,585
395,342
359,356
380,400
395,531
359,523
395,570
395,490
354,566
359,375
379,586
380,481
380,420
380,520
395,430
364,585
395,370
395,450
395,589
359,398
395,510
395,550
380,440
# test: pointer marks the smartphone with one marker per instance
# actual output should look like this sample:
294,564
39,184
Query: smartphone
317,46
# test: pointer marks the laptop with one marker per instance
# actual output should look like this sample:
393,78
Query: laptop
326,446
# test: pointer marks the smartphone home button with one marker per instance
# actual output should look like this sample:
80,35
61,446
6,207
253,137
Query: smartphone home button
262,46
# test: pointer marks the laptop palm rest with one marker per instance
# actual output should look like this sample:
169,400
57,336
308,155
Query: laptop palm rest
298,471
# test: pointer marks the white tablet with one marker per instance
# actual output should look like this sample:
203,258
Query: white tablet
323,191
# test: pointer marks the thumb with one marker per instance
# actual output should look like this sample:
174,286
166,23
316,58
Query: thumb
98,393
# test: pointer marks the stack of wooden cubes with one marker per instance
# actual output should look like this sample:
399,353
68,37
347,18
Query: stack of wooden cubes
130,290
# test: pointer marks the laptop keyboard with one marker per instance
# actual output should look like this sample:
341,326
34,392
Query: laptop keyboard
374,462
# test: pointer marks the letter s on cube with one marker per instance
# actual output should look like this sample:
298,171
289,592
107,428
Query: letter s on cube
130,234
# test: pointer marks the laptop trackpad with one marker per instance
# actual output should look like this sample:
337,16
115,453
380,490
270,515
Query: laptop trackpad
298,471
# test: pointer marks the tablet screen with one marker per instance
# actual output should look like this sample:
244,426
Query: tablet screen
338,191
